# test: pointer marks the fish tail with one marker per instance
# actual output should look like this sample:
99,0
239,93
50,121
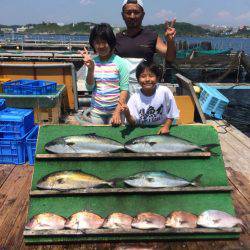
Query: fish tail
207,147
243,226
113,182
196,181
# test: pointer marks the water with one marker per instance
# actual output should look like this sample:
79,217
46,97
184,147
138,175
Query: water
217,42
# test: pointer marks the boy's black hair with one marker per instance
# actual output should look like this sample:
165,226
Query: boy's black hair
104,32
156,69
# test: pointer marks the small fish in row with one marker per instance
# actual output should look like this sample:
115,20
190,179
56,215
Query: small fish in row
76,179
84,220
93,144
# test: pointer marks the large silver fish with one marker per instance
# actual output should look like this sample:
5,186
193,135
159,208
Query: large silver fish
218,219
84,220
83,144
163,144
149,221
69,180
159,179
46,221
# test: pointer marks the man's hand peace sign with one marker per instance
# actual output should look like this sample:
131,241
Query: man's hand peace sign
170,31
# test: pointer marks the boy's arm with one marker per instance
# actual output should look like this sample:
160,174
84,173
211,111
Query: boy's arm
166,127
130,119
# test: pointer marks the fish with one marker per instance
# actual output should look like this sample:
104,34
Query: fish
118,221
181,219
218,219
83,144
163,144
84,220
159,179
46,221
69,180
149,221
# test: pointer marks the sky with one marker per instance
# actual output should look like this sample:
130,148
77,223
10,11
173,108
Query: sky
219,12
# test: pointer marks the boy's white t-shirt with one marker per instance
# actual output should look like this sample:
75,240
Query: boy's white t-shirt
155,109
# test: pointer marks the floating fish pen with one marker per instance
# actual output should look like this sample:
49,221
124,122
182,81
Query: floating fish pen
211,68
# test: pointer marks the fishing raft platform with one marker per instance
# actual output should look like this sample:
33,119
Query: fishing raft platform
15,190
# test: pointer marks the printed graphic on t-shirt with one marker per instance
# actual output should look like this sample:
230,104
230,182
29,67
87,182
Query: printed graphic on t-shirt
150,115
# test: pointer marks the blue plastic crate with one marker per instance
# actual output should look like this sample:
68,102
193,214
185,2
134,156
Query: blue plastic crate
213,103
31,144
14,87
2,104
13,151
38,88
15,123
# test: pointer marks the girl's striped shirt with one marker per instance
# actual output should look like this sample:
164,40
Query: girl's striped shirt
111,77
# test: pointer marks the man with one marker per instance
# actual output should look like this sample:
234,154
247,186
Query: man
136,42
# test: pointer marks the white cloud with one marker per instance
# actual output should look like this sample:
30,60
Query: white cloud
165,14
224,14
198,12
86,2
244,17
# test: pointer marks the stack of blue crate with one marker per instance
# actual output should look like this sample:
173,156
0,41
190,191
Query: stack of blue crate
15,126
30,87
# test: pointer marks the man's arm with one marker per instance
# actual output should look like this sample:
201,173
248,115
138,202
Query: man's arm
167,50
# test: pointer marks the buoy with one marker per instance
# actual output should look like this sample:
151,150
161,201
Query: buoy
197,89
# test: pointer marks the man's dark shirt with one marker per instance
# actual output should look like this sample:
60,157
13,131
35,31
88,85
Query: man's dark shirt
142,45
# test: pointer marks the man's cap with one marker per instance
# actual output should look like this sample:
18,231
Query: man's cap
139,2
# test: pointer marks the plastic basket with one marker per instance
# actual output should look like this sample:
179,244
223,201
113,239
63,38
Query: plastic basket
2,104
15,123
13,151
213,103
14,87
38,88
31,144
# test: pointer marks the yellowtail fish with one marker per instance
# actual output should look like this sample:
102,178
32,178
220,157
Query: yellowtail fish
163,144
159,179
46,221
83,144
68,180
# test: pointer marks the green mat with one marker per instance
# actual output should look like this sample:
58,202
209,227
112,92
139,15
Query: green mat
213,171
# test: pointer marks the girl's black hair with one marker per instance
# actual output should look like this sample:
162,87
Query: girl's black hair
156,69
104,32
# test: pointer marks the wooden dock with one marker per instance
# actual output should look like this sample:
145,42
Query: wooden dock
15,183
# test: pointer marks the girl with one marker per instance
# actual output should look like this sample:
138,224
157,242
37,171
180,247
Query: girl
152,104
109,75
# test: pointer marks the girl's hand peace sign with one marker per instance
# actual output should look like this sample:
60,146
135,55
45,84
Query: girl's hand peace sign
87,59
170,31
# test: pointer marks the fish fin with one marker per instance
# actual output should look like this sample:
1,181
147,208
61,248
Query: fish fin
183,222
216,221
243,227
150,179
82,231
113,182
196,181
60,181
207,147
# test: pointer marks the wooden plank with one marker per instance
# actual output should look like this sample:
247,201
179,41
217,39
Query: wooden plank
131,231
123,155
5,171
14,203
188,86
118,191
